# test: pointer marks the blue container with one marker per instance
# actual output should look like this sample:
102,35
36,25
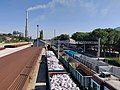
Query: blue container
70,53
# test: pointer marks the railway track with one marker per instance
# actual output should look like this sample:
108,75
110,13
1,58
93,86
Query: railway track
15,68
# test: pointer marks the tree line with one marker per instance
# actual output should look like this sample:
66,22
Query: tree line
12,38
109,37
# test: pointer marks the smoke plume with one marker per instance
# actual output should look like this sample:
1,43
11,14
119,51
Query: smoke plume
52,4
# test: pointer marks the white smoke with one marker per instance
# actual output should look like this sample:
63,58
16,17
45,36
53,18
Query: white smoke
52,4
37,7
88,5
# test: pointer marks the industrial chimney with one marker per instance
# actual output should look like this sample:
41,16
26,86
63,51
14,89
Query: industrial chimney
26,26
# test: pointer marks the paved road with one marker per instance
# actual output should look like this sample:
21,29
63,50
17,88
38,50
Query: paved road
12,65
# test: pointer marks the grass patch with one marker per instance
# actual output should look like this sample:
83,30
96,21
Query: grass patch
113,61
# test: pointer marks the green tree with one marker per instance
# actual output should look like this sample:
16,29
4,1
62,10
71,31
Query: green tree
109,37
62,37
80,36
118,46
99,33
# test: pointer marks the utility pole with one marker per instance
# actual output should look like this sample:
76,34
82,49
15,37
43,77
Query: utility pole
37,34
98,48
58,49
54,32
84,47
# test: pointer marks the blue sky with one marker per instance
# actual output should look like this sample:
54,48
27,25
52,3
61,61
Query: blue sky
65,16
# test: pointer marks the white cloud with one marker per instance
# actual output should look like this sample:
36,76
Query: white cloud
104,12
88,6
110,7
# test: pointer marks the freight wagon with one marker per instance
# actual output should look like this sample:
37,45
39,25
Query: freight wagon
83,80
57,73
92,63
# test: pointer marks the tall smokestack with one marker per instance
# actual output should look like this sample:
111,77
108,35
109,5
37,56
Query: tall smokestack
26,26
37,34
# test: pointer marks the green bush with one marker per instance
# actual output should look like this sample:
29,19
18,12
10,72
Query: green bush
114,61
